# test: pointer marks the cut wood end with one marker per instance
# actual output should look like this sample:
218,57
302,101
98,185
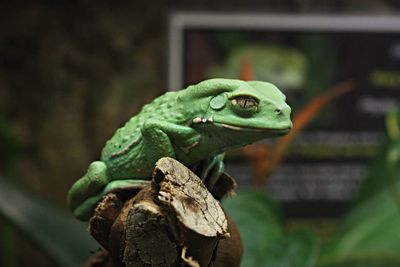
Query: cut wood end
193,205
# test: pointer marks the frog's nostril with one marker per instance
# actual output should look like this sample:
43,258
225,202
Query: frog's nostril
278,111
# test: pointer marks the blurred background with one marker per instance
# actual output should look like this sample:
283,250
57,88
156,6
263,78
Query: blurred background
72,72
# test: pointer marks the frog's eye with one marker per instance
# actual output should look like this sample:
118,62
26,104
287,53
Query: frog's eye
245,105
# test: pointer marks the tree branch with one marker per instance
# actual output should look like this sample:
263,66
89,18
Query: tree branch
175,221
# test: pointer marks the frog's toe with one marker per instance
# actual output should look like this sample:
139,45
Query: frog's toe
125,184
86,209
96,175
90,184
190,142
217,168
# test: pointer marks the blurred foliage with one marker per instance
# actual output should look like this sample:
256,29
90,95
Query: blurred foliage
368,235
8,153
264,240
56,232
384,172
370,232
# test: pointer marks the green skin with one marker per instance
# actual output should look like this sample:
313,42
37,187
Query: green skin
194,126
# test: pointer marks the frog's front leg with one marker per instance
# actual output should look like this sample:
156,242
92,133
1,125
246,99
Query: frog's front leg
160,137
91,183
88,190
216,168
210,169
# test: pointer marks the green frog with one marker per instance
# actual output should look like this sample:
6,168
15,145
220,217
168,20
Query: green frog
194,125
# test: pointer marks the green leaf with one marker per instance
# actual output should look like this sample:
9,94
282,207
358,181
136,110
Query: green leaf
55,231
367,261
371,230
258,222
265,244
383,173
298,249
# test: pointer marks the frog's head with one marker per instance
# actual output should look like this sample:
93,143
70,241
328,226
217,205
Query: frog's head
242,108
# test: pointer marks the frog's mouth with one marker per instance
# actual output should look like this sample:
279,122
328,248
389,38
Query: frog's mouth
283,130
239,128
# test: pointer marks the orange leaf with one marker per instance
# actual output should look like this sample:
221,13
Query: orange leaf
263,166
246,70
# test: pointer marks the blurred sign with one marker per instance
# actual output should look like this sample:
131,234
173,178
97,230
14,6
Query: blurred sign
304,55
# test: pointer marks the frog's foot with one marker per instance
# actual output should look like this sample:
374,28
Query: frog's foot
95,178
210,170
85,210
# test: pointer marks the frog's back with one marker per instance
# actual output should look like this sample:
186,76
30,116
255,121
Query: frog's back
123,151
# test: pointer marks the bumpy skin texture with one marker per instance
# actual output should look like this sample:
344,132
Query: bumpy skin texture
194,125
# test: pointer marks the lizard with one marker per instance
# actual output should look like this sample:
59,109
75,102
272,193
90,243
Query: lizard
197,124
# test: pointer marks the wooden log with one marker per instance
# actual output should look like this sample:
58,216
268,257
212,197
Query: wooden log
175,221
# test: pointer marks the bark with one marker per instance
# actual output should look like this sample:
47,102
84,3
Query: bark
175,221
